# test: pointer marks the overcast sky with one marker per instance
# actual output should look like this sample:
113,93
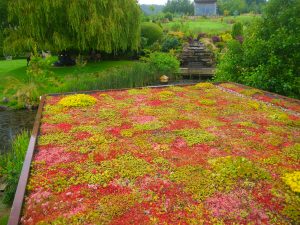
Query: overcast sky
149,2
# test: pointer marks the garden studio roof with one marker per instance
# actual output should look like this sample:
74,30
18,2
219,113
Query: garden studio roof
200,154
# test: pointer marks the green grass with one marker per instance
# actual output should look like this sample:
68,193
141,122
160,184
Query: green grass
11,165
4,220
17,69
212,26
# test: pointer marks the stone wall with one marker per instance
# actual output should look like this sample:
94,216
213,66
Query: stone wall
196,55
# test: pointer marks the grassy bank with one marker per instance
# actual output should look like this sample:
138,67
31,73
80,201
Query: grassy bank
11,165
16,69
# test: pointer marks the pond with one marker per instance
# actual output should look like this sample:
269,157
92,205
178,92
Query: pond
12,123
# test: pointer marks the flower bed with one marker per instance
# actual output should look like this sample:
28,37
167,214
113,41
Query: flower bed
173,155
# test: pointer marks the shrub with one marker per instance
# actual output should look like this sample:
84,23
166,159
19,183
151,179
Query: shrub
269,57
79,100
177,34
11,165
226,37
240,38
175,27
170,43
163,63
152,32
169,16
220,45
237,30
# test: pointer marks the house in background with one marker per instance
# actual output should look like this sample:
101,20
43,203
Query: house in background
205,7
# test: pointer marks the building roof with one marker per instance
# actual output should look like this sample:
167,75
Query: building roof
205,1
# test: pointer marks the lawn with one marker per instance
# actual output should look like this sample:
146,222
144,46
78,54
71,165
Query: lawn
202,154
212,26
17,69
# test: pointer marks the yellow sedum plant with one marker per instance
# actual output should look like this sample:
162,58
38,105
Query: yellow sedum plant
293,181
78,100
204,86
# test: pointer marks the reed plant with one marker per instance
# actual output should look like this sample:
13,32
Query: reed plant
136,75
11,164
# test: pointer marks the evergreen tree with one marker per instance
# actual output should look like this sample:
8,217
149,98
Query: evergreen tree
104,25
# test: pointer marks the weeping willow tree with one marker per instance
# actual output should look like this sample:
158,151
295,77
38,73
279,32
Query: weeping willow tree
104,25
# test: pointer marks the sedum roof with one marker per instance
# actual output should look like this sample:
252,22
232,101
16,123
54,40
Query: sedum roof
202,154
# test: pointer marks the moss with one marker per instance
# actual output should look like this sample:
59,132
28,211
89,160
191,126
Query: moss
127,133
204,86
292,207
280,116
162,163
54,138
254,105
109,207
108,114
58,118
229,86
277,129
238,167
154,125
293,151
142,91
127,166
176,89
273,160
274,139
251,92
195,179
293,181
163,137
78,100
86,128
247,124
196,136
207,102
165,95
53,109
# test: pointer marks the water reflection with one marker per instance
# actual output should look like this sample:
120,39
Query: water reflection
11,123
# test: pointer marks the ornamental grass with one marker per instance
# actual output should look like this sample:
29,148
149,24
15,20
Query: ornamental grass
171,155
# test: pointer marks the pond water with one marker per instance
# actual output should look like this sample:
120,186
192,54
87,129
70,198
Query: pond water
12,123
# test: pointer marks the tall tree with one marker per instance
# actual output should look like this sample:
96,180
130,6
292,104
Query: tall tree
232,6
3,22
241,6
74,24
180,7
270,55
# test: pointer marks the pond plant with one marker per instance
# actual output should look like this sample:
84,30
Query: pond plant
171,155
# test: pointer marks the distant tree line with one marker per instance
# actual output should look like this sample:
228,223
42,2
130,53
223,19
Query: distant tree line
185,7
227,7
234,7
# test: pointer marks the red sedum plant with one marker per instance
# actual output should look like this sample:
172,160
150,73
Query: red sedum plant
172,155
